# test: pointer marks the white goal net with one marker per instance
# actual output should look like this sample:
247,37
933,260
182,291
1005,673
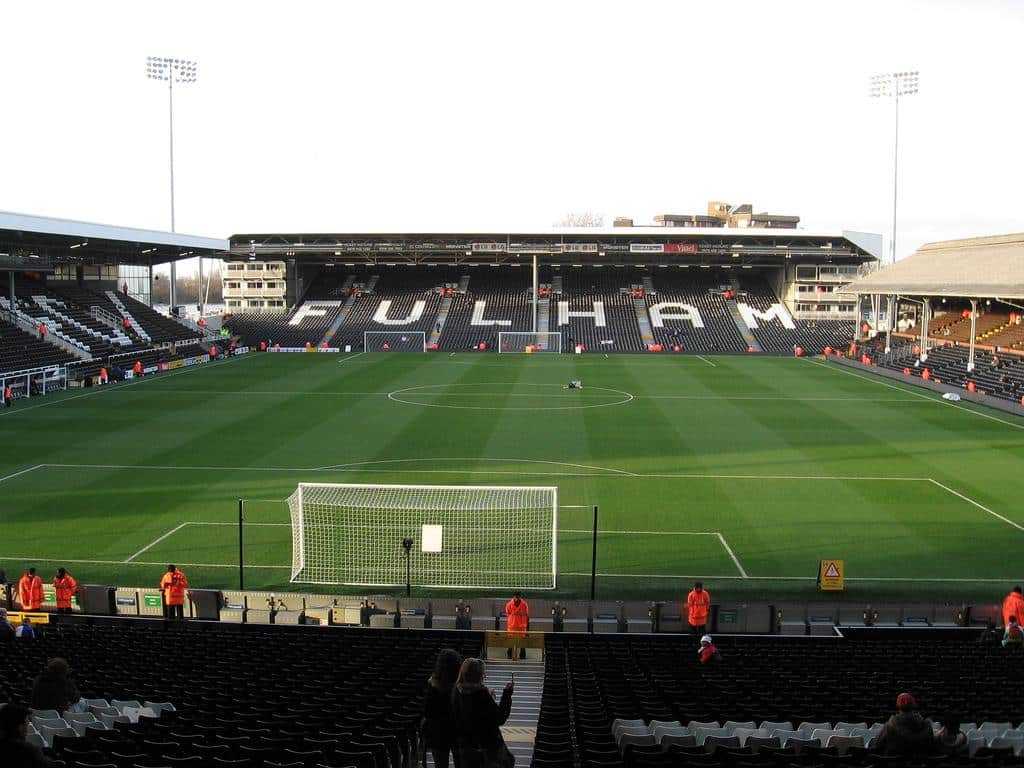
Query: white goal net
516,341
467,537
394,341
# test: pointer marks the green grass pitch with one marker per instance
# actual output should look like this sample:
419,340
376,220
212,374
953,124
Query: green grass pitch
741,471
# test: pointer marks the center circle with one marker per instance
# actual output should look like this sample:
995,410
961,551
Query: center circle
544,394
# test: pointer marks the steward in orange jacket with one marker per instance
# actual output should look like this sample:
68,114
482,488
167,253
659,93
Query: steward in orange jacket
1013,605
174,585
698,604
518,613
30,591
65,586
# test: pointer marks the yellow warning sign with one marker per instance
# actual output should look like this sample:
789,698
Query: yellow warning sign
831,576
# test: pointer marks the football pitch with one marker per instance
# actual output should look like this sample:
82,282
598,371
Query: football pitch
740,471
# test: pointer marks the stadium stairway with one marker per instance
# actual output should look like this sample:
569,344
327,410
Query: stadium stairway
521,728
644,321
345,309
741,325
434,337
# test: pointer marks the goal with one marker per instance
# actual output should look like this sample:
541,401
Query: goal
510,342
466,537
395,341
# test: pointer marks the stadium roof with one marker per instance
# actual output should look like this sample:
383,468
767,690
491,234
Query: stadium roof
35,242
978,267
747,246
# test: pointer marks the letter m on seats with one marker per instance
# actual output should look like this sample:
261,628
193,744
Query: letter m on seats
774,312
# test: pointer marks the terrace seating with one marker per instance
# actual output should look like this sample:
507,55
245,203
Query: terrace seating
948,365
20,350
581,288
698,289
507,297
337,697
812,335
832,689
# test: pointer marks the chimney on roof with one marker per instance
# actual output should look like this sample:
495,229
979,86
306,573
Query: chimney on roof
622,221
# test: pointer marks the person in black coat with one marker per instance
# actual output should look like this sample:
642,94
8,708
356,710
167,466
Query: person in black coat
15,751
478,719
53,687
438,723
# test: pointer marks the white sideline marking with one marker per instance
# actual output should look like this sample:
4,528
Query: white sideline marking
139,562
938,400
22,472
701,357
156,541
732,554
976,504
119,387
352,357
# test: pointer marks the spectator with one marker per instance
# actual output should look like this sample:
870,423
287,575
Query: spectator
15,751
6,628
173,585
8,395
478,719
53,688
698,603
950,740
518,612
30,591
990,635
708,652
1013,605
25,629
438,724
65,586
1014,634
906,733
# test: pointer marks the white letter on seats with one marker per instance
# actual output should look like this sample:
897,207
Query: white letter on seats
776,311
381,315
598,314
689,312
478,316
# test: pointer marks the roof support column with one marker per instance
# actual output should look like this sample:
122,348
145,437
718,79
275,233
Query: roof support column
974,325
536,293
926,314
10,293
890,319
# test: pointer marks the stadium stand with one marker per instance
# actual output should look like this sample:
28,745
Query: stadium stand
646,701
997,375
701,290
582,289
340,304
774,336
276,696
20,350
506,297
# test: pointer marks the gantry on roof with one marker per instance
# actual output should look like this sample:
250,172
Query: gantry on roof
979,267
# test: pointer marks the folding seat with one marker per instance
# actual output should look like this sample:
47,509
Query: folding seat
743,734
842,744
701,734
798,745
807,728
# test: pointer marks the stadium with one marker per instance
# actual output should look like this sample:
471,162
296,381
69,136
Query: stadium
756,483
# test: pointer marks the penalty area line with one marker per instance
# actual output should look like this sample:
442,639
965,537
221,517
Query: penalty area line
979,505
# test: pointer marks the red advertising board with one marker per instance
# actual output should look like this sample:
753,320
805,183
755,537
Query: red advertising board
680,247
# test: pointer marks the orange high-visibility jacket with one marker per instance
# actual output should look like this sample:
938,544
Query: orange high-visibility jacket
1013,605
697,606
174,586
518,615
65,588
30,592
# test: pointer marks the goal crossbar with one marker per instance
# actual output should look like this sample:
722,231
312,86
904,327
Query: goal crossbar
465,537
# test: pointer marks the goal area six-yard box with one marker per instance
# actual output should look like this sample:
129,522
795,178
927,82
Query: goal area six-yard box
465,537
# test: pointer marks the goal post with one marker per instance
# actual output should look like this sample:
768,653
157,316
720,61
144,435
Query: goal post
464,536
394,341
513,342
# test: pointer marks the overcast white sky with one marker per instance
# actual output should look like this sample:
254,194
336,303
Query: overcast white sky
399,116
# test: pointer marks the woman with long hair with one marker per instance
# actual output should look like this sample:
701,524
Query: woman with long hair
478,719
438,724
